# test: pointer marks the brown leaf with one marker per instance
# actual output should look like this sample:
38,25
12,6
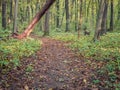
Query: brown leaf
26,87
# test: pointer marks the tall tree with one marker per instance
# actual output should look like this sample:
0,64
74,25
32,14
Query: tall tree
67,15
92,12
111,16
15,17
118,17
99,20
4,14
11,4
80,18
76,15
0,3
104,19
28,11
63,14
88,8
46,27
58,12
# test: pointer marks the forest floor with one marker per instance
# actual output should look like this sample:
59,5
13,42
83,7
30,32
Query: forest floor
53,67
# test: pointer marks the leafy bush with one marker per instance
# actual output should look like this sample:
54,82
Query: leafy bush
12,50
4,34
66,37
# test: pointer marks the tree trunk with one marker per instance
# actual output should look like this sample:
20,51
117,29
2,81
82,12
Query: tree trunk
67,15
11,4
80,18
99,20
61,21
0,4
37,17
76,15
46,27
118,17
92,12
4,14
104,19
58,12
15,28
111,17
88,9
21,15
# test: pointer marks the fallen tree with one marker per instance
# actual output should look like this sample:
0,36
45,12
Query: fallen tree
37,17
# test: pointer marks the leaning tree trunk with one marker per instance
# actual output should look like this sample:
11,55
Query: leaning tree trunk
37,17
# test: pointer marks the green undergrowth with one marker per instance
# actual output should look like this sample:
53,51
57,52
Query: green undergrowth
107,51
12,50
66,37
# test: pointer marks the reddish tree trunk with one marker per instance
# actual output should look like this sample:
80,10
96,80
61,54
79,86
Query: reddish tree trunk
37,17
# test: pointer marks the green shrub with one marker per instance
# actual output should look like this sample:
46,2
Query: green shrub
11,51
4,34
106,50
66,37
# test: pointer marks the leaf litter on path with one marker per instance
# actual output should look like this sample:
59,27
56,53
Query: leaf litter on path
55,67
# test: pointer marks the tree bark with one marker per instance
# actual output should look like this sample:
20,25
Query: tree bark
92,12
76,15
118,17
67,15
111,16
104,19
28,11
99,20
46,27
15,17
37,17
4,14
58,12
62,18
11,4
80,17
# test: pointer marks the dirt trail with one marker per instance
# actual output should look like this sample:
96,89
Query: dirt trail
53,67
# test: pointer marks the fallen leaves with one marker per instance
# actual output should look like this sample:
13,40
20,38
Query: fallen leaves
56,67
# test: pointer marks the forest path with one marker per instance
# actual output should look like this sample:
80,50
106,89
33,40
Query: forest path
53,67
